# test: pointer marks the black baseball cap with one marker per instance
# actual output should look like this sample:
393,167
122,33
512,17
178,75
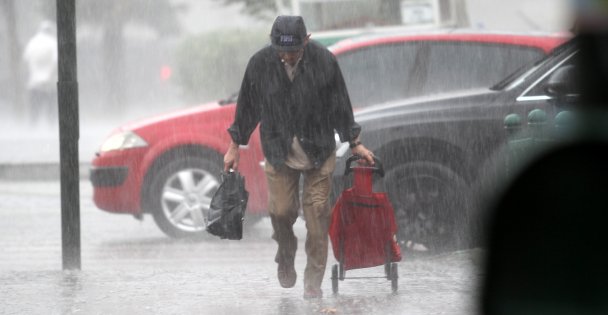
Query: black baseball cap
288,33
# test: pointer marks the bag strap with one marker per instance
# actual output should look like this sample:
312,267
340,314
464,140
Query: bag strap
378,168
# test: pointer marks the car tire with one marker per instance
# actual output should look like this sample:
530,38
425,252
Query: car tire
430,201
180,194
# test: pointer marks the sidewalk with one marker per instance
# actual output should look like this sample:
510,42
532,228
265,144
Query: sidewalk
33,152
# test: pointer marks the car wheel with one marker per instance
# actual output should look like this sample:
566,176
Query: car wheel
180,194
429,201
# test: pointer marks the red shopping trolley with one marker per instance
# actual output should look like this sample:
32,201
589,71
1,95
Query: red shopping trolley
363,229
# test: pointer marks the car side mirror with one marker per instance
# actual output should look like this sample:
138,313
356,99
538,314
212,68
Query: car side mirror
563,84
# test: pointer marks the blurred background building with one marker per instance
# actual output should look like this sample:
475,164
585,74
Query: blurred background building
146,56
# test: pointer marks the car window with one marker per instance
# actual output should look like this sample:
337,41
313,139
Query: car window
538,89
521,75
385,73
378,74
456,66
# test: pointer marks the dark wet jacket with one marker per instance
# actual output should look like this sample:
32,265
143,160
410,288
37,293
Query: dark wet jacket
311,107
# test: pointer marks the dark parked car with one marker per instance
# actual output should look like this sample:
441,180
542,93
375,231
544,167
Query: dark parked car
436,148
169,165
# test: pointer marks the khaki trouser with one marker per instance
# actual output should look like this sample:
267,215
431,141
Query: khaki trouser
283,205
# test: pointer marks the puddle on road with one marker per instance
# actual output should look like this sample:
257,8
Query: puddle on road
430,285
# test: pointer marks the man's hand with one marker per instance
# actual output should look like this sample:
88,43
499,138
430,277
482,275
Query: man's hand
363,152
231,158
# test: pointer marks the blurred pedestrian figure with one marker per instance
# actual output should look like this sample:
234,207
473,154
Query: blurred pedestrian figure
40,56
295,90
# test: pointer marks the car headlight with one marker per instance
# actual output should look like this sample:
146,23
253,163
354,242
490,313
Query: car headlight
122,140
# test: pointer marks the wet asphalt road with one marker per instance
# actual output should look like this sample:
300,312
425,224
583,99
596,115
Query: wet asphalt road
130,267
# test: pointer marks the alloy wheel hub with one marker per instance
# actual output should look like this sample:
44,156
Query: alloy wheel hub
186,198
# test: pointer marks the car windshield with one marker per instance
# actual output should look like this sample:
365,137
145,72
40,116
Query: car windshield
521,75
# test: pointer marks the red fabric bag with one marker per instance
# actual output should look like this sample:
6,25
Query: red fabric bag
363,229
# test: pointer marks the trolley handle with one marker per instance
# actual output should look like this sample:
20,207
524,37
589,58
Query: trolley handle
377,168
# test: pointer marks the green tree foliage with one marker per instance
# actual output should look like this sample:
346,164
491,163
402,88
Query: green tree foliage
157,14
211,65
111,17
259,8
269,8
390,9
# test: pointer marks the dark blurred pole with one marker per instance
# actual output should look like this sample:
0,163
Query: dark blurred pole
591,28
14,55
546,252
67,88
593,69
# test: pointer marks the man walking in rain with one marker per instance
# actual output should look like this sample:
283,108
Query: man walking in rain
294,88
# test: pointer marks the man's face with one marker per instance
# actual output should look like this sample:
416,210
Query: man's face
292,57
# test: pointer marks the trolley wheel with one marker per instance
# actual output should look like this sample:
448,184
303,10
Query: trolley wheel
334,278
394,277
387,270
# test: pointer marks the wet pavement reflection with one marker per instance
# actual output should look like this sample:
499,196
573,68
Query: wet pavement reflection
130,267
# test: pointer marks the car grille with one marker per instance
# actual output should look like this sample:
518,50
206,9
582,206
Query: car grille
108,176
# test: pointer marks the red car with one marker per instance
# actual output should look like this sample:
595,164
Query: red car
169,165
